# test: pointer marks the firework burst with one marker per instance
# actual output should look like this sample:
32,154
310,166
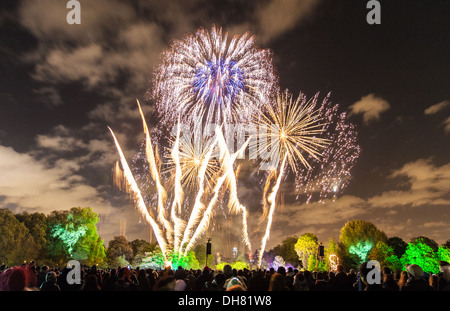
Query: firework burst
329,177
205,78
291,128
195,155
312,140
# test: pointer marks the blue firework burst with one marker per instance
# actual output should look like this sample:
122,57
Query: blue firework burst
218,83
206,78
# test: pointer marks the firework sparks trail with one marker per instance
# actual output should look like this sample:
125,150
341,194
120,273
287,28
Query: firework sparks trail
227,166
272,175
179,224
272,200
198,205
235,206
173,231
155,175
205,77
133,189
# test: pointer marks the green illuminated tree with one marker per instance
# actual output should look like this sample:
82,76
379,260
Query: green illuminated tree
314,264
425,240
154,260
238,265
220,266
188,261
332,247
73,235
447,244
385,255
358,237
361,249
140,248
421,254
443,253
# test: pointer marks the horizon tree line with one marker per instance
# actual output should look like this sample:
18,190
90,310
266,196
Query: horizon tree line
56,238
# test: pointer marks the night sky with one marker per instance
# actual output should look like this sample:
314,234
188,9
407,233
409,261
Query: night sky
61,85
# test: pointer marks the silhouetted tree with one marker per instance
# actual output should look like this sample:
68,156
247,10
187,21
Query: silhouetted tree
16,243
398,245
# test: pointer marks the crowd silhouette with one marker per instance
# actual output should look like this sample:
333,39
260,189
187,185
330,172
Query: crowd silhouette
42,278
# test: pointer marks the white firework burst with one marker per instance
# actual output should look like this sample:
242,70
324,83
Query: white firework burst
206,78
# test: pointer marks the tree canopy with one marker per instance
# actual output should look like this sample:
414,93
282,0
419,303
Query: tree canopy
16,243
287,250
359,236
306,246
398,245
73,235
119,247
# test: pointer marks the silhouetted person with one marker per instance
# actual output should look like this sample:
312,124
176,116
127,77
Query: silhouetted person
90,284
277,283
50,284
143,282
300,282
204,277
416,282
165,283
389,283
320,284
258,282
342,280
41,275
444,280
